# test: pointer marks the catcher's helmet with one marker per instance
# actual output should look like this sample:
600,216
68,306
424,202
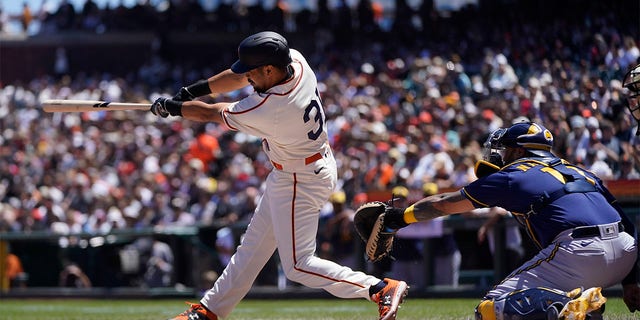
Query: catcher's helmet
531,136
260,49
632,84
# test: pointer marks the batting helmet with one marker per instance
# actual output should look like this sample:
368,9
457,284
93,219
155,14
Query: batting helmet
260,49
531,136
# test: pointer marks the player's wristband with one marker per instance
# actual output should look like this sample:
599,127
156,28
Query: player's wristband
199,88
173,107
409,216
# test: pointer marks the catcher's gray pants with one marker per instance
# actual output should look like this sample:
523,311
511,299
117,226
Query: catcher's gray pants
569,263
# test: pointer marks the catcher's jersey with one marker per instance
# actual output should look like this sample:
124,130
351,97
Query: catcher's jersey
289,117
519,186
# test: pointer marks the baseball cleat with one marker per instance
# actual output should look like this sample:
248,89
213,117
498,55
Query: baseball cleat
196,311
390,298
589,300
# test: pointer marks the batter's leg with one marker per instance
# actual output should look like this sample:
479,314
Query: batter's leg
256,248
295,231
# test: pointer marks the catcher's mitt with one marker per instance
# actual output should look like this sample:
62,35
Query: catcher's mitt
369,223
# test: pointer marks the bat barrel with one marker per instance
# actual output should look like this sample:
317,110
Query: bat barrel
91,105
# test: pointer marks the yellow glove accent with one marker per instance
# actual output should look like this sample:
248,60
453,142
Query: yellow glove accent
409,216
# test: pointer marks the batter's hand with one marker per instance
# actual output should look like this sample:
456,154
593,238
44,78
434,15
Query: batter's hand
165,107
631,296
159,107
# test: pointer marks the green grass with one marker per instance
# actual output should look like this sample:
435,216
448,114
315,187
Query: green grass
325,309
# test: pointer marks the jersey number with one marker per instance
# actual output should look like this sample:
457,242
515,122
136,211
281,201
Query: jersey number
318,118
556,174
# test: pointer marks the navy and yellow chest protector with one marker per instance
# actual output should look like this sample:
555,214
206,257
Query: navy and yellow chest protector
575,181
573,178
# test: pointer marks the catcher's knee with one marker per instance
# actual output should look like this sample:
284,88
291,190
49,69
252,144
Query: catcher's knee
534,303
484,310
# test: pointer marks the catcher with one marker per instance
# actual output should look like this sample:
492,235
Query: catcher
574,220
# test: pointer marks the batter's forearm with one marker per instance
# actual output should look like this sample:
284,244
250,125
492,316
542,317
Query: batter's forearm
227,81
202,112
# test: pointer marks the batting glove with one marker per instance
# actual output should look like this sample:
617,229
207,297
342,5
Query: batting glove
183,95
164,107
198,89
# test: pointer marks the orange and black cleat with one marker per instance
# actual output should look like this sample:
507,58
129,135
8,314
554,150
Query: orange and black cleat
196,311
390,298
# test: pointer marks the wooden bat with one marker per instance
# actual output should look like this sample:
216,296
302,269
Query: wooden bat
90,105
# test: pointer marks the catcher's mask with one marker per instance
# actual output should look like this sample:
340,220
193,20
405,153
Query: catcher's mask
632,84
533,137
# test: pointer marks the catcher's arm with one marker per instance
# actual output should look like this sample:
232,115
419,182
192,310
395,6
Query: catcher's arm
438,205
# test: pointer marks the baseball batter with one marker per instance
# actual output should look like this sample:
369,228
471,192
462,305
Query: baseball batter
286,112
584,237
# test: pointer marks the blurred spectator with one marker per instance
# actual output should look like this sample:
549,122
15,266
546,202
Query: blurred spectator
409,248
628,169
72,276
407,251
225,246
14,273
577,140
502,76
596,164
513,239
205,148
609,145
159,272
61,64
435,164
3,20
65,16
337,234
26,18
446,254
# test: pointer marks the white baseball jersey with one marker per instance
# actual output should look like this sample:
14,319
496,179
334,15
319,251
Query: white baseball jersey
289,117
290,120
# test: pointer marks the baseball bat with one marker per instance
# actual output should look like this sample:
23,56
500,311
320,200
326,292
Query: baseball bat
90,105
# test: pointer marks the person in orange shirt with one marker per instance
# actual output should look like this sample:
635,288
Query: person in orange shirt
14,272
204,148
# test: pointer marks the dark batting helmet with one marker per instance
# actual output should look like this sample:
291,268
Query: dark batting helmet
531,136
260,49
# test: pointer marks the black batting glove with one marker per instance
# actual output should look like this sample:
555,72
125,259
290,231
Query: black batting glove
198,89
165,107
183,95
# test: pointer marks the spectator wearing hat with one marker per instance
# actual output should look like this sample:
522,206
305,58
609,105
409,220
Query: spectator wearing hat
409,248
628,170
336,236
446,254
436,164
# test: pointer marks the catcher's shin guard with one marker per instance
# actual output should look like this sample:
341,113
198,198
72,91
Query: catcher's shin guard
529,304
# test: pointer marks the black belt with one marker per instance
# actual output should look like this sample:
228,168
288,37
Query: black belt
591,231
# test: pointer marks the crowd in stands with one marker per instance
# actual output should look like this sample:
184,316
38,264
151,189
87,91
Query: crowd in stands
412,107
